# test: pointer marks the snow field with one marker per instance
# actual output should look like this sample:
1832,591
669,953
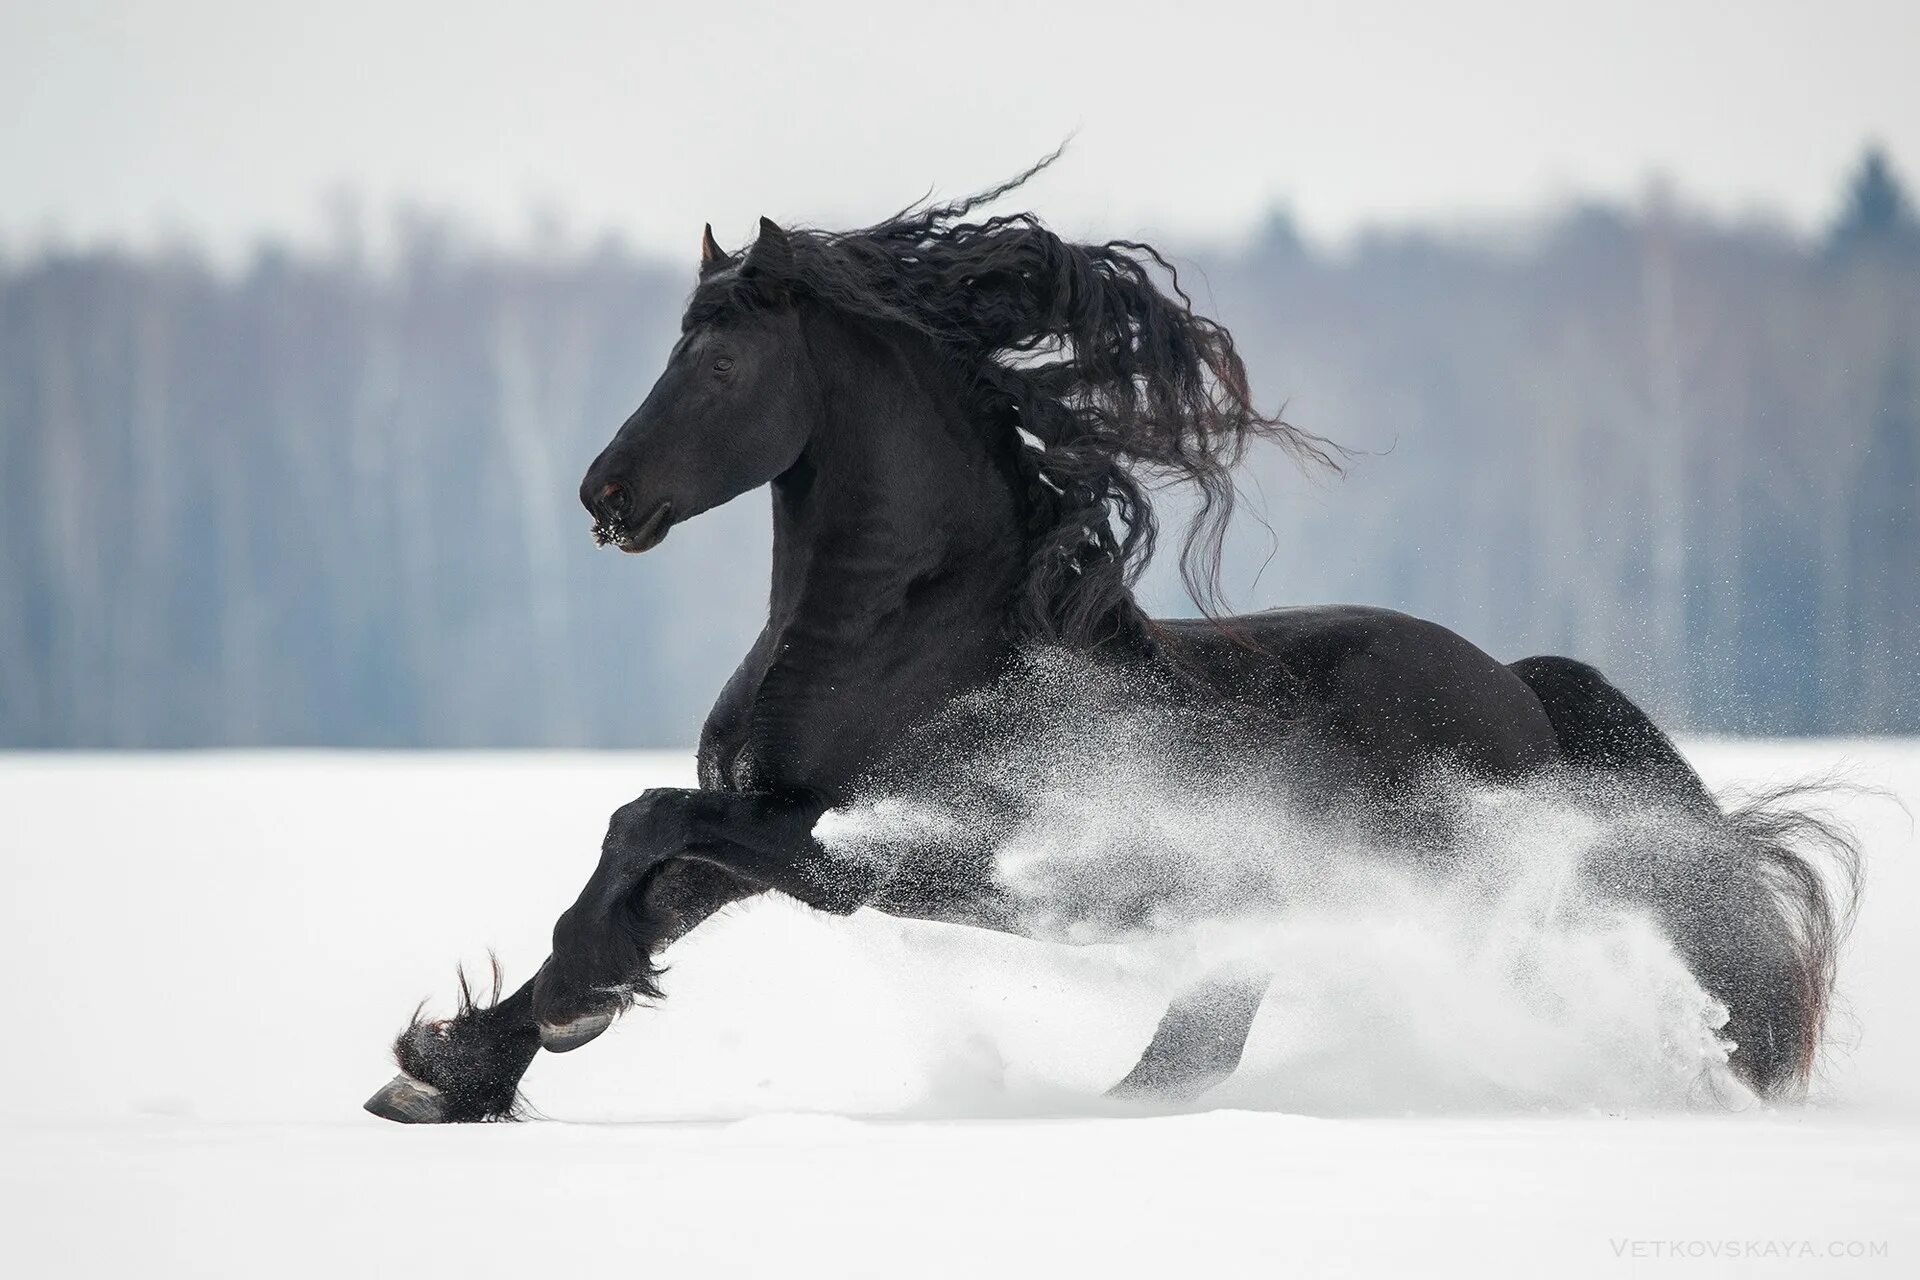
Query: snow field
210,952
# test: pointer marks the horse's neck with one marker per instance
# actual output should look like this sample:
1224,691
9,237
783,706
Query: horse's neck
897,552
901,514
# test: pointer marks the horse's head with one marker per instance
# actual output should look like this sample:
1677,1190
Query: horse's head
734,407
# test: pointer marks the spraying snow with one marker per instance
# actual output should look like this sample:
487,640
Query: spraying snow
1513,961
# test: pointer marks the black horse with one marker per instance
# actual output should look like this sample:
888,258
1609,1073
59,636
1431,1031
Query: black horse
958,420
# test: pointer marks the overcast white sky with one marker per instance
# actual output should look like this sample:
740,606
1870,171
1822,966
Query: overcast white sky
227,118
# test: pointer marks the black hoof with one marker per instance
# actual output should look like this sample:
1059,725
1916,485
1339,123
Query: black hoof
407,1101
571,1035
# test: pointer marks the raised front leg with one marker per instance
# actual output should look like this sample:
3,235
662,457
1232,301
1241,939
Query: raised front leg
465,1068
665,857
670,860
468,1067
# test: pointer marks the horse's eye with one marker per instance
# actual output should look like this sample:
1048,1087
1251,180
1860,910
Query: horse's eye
722,364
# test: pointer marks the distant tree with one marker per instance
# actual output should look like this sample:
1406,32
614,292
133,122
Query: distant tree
1877,209
1888,591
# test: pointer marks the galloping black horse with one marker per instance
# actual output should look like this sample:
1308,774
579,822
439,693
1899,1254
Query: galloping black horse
958,420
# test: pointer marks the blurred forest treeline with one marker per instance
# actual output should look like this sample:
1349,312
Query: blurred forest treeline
320,500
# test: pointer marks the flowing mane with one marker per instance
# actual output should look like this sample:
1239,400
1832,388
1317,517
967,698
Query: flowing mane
1115,385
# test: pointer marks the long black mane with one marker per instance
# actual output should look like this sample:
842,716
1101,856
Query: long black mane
1117,384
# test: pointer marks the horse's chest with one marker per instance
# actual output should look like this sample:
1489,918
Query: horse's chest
785,731
814,708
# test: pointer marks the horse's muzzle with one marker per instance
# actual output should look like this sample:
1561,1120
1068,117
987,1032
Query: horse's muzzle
631,538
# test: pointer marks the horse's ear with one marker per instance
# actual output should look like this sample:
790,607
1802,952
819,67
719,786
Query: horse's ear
770,256
711,254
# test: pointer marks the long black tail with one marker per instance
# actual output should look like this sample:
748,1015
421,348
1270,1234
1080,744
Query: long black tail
1764,894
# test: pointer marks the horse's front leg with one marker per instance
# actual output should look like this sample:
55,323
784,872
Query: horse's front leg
665,858
670,860
468,1067
464,1068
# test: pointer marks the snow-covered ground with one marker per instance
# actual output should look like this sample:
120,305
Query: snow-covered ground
207,955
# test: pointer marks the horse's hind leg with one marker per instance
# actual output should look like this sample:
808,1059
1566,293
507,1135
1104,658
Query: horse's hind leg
1199,1040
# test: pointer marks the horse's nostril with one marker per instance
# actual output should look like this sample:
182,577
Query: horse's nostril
608,502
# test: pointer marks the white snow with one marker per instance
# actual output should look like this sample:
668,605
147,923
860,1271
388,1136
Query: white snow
207,955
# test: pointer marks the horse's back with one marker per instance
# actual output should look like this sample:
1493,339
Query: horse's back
1386,693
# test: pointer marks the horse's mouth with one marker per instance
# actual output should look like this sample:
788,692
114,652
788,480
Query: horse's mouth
633,539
